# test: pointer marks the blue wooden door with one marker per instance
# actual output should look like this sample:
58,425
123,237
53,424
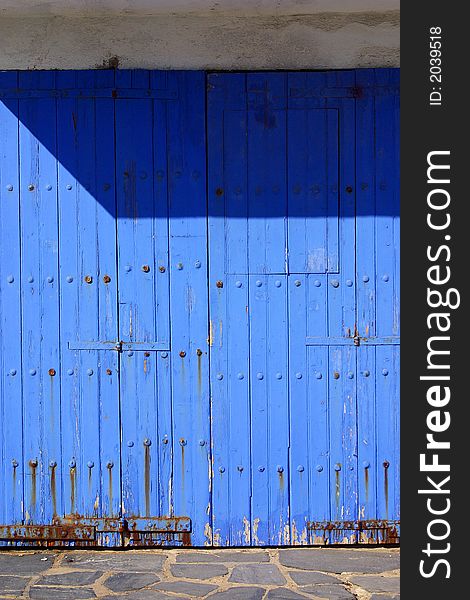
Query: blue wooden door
303,287
192,361
105,434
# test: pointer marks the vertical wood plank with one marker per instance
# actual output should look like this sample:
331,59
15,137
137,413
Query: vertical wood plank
189,302
11,426
40,322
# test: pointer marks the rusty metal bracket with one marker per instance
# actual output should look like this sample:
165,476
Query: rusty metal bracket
355,532
63,532
89,531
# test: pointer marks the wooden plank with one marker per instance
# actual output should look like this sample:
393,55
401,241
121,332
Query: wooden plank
267,202
11,426
40,296
189,301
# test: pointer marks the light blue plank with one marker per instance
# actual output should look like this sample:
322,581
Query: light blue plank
269,426
342,322
313,202
40,343
366,298
388,432
188,299
11,428
159,80
343,433
367,432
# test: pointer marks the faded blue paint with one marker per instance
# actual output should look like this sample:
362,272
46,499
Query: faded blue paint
223,349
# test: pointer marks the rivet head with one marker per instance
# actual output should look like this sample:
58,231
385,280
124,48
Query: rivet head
386,464
69,186
90,464
165,440
106,187
337,467
280,469
145,268
220,376
164,355
318,375
240,376
349,282
259,283
69,279
110,464
72,464
52,372
349,189
32,371
9,188
319,468
366,464
146,354
147,442
278,375
179,266
161,268
48,187
317,283
197,264
366,373
88,278
277,283
297,283
128,268
14,463
106,279
221,469
50,279
89,372
219,192
350,374
261,469
385,278
238,284
70,372
108,372
334,283
365,278
300,468
52,464
31,187
260,376
33,463
30,279
130,444
12,372
219,284
385,372
298,375
182,353
10,279
240,469
183,442
130,353
335,374
202,442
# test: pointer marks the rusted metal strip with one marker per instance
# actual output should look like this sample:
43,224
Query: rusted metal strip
47,532
356,532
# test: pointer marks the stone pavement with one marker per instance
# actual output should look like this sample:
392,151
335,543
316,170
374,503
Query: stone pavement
221,574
